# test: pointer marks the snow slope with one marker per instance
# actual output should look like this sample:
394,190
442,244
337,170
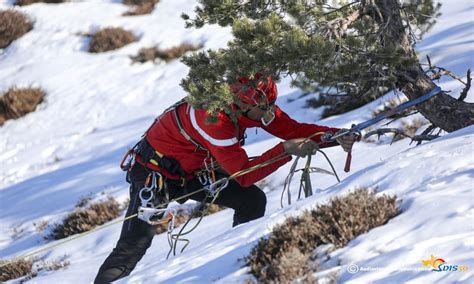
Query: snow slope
98,105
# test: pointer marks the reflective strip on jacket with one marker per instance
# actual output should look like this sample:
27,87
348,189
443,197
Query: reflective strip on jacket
223,142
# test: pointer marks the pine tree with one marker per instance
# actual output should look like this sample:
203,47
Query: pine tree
352,49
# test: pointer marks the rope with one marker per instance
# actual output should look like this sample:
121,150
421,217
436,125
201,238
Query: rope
305,181
177,237
163,205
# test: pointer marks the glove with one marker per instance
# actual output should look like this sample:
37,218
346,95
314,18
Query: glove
347,141
300,147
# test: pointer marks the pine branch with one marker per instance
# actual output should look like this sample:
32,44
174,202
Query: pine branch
438,72
339,26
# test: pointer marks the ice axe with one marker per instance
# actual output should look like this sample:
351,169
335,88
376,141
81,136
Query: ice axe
357,128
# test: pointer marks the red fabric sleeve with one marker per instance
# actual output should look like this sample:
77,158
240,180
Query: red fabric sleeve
284,127
233,158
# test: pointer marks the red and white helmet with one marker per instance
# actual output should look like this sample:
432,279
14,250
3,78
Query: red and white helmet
256,90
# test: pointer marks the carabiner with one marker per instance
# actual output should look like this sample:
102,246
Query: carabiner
203,179
216,187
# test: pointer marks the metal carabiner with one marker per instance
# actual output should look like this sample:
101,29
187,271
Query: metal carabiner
150,188
216,187
128,160
145,201
202,177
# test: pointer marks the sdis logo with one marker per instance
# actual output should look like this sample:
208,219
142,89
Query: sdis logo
439,265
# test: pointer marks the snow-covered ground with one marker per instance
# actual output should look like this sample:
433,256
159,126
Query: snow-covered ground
98,105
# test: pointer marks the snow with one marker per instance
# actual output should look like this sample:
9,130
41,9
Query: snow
98,105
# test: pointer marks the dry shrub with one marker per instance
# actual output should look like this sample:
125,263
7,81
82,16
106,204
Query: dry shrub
206,210
13,25
83,201
109,39
28,267
154,53
17,102
29,2
285,254
85,219
15,269
41,228
138,2
410,128
140,7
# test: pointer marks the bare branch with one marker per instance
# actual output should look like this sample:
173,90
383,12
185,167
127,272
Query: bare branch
397,131
427,131
340,8
382,131
468,86
420,138
429,62
440,71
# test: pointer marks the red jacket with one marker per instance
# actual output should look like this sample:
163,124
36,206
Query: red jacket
221,139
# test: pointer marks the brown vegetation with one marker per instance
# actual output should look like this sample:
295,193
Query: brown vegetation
140,7
15,269
109,39
84,219
410,128
16,102
29,2
27,267
154,53
285,254
13,25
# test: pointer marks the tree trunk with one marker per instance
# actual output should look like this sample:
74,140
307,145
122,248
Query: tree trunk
443,110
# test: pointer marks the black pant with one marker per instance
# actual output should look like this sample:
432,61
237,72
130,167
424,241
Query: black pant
136,235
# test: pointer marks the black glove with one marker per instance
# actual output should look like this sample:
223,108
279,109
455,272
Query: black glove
347,140
300,147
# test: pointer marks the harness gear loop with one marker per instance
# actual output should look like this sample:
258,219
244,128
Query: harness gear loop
147,212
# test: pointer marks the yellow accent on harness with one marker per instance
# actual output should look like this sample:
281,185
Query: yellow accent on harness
161,183
159,154
155,162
